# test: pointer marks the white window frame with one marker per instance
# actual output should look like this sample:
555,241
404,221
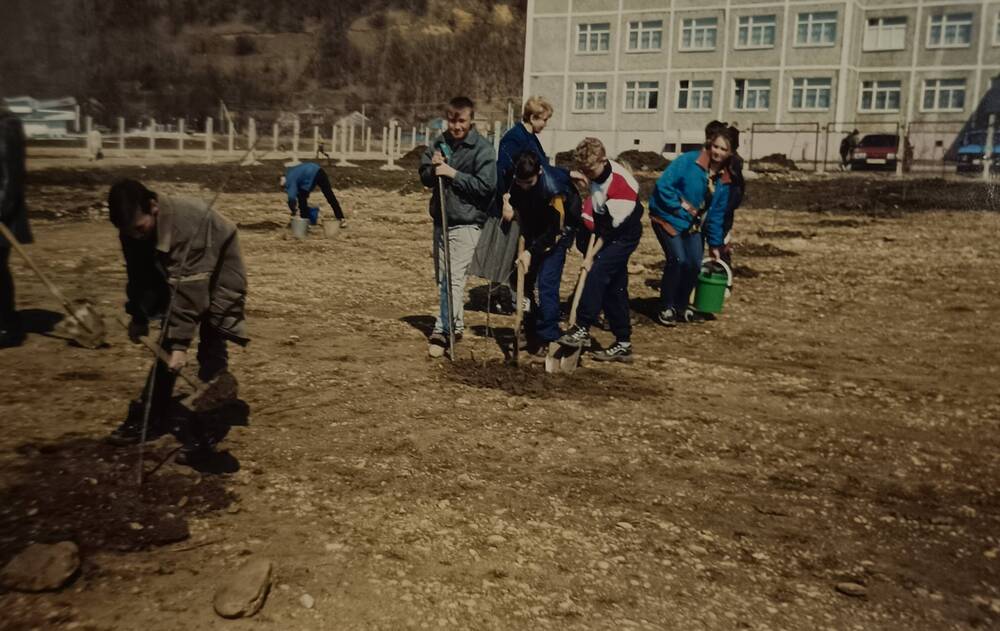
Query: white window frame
703,25
955,20
934,85
593,33
996,29
749,23
692,89
762,87
587,88
807,85
883,30
639,88
641,28
880,86
811,20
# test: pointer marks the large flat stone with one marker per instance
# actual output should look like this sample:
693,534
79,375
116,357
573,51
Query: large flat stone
42,567
245,592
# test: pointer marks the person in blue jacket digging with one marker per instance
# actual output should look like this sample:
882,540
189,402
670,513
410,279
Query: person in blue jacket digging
691,197
301,180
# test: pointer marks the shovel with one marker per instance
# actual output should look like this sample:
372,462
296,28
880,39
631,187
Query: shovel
560,358
519,308
207,395
85,325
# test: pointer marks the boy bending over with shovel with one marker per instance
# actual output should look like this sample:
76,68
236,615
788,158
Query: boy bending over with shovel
199,252
613,213
547,206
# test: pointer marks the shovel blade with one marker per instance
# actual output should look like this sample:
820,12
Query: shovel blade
85,326
552,358
212,394
569,361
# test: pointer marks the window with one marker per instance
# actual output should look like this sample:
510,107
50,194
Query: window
885,34
642,96
752,94
950,30
944,95
590,96
645,35
811,94
699,33
756,31
817,29
593,38
996,31
880,96
695,96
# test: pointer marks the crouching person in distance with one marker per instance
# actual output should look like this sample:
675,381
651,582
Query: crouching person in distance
198,251
301,180
547,206
691,195
613,213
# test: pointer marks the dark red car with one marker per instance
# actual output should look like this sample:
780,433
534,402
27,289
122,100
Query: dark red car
876,151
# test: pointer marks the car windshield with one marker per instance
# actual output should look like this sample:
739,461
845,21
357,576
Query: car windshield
879,140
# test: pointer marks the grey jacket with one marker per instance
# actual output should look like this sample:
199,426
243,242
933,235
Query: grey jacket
13,212
470,194
213,282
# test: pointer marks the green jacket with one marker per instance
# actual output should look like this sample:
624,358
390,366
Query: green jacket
469,195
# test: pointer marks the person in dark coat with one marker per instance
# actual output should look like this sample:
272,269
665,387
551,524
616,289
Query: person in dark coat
847,147
497,247
548,209
14,214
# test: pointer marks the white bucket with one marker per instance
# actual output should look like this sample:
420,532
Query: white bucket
300,227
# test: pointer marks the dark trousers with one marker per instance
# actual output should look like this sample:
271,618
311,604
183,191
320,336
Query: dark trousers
680,272
213,358
607,287
546,275
323,184
8,313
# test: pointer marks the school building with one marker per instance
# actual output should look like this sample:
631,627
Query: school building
649,74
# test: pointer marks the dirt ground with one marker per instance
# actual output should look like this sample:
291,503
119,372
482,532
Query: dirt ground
837,423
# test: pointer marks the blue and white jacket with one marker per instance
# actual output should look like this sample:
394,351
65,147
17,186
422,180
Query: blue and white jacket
687,179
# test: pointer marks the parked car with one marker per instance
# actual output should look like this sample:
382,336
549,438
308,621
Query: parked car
972,152
875,151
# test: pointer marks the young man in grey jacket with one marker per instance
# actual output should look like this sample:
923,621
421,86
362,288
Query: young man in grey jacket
197,250
467,164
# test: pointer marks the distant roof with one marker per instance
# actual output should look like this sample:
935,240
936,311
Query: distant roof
40,104
354,118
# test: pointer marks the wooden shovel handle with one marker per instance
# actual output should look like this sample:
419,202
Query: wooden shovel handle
581,280
159,352
38,272
519,307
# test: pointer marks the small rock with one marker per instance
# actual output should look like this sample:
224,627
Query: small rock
245,592
624,525
41,567
496,540
307,601
855,590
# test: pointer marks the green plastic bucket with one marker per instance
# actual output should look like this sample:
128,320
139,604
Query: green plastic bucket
714,282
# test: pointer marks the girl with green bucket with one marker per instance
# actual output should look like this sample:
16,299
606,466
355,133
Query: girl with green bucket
690,197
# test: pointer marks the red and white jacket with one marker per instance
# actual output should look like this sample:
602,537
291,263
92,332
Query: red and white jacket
613,206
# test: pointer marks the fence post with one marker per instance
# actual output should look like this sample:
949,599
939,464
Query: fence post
399,141
988,147
333,140
350,137
296,130
368,141
413,138
88,142
389,138
900,147
152,135
816,166
251,142
496,136
208,138
385,140
274,137
121,135
180,135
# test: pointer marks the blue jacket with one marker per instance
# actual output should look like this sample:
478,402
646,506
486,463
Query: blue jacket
687,179
300,179
517,140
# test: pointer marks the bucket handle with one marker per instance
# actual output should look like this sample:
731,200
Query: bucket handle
729,274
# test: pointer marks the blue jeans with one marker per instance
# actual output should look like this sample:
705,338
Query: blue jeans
680,272
546,273
607,287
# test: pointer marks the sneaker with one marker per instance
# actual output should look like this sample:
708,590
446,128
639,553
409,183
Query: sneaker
343,223
194,455
689,315
11,337
667,317
576,337
617,352
130,431
437,344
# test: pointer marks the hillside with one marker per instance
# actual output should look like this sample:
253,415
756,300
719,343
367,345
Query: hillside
173,58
